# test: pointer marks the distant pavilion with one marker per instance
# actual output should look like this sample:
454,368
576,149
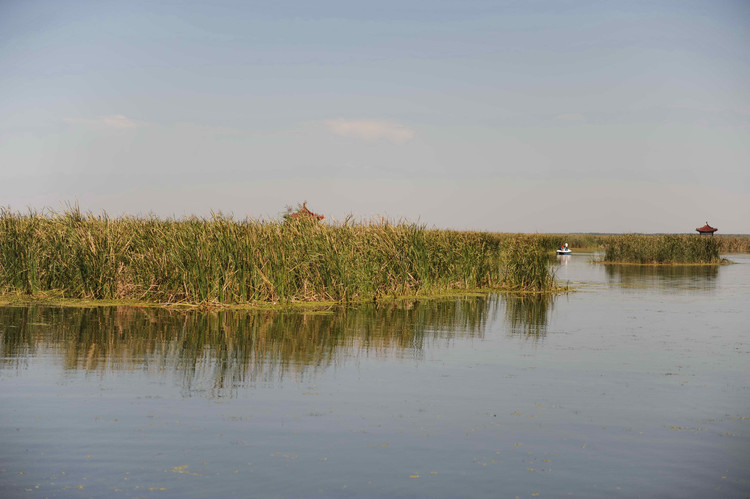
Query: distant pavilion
706,229
303,212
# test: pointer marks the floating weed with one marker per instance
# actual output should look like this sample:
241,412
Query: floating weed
183,470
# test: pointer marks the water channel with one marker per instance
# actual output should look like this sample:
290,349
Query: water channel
637,384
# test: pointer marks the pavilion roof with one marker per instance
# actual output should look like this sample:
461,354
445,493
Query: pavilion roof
706,228
303,212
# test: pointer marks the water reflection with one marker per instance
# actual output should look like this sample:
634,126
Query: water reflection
563,259
219,351
528,315
660,277
226,349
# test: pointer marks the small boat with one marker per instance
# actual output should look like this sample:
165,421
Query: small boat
564,250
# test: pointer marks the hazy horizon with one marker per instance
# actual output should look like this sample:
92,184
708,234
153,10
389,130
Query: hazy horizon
550,116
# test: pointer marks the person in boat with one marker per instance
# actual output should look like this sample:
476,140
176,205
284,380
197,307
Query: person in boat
563,248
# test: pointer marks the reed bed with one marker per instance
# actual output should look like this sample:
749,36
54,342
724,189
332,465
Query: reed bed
733,244
526,263
222,260
663,249
598,242
590,241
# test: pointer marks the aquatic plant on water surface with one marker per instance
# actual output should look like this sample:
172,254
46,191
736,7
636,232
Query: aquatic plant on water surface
662,249
597,242
226,261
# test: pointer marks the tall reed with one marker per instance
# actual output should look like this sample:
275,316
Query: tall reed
526,264
726,243
222,260
733,244
677,249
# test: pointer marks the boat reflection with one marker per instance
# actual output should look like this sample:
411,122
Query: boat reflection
563,259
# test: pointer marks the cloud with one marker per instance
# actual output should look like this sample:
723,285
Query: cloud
114,121
371,130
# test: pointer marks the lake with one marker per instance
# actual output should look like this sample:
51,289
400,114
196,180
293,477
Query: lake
637,384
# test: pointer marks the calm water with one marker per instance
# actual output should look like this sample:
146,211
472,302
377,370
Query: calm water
636,385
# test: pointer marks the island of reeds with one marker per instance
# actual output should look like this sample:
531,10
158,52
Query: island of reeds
223,261
652,249
662,250
600,242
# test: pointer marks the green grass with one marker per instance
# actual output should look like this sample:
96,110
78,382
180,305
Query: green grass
226,261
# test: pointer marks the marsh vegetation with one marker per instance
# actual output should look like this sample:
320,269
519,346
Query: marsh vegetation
662,249
223,261
599,242
226,261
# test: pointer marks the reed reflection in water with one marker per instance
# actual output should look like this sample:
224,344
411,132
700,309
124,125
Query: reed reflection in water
660,277
224,350
527,316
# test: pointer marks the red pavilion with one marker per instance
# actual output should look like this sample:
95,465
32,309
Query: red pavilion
706,229
303,212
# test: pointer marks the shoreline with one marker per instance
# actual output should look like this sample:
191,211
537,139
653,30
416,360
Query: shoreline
13,299
723,261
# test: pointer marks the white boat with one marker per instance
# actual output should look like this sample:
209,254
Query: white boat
564,250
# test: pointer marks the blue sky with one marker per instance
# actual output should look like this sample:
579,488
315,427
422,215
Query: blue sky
513,116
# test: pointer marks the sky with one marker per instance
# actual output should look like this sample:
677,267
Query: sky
493,115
